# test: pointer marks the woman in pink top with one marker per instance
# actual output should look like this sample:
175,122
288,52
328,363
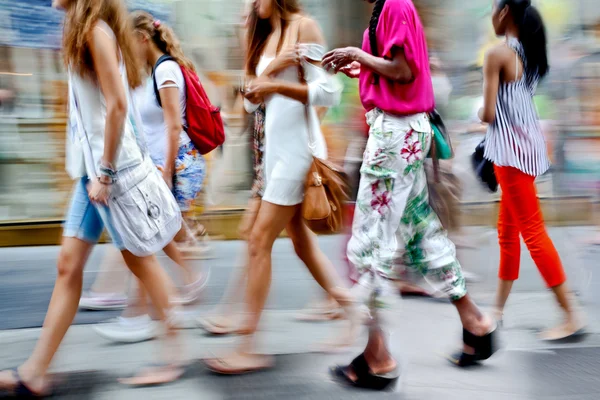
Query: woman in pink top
395,233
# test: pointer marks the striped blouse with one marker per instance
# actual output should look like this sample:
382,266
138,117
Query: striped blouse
515,138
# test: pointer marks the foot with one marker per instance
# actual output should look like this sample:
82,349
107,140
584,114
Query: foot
356,316
185,319
327,310
102,301
154,375
238,363
564,331
498,316
198,247
19,382
128,330
192,292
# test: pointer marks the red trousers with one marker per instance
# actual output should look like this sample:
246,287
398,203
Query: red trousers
520,213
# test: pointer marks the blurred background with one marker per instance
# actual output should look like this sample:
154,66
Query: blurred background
34,189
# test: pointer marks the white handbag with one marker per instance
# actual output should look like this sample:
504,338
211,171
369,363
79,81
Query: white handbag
142,208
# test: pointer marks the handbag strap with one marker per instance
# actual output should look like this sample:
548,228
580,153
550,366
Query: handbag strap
132,114
434,155
312,143
88,156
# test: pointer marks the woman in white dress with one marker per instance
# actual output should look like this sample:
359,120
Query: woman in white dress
280,38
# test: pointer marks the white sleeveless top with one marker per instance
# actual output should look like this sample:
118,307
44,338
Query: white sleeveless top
92,106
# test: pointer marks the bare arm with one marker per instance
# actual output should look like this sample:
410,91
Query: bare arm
309,32
169,97
492,66
106,64
395,69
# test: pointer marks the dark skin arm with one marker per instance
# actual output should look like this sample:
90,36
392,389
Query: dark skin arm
394,68
492,67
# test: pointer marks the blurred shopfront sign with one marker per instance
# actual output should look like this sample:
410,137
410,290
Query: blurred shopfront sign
35,24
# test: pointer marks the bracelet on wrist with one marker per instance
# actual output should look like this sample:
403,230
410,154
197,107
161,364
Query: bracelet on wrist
104,182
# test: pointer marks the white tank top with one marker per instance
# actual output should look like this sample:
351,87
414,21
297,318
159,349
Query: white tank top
92,106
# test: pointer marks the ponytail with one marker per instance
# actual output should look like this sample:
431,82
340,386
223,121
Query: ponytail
532,35
162,36
373,31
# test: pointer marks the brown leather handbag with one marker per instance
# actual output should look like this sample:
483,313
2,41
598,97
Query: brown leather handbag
325,190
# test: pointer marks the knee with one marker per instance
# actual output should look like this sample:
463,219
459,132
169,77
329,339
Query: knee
70,267
258,244
301,240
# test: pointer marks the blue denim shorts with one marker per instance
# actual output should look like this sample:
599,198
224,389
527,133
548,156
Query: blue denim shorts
86,221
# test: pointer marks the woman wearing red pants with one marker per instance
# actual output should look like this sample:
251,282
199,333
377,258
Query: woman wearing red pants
516,146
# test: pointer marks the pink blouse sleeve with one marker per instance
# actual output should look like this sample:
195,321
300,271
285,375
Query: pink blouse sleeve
393,25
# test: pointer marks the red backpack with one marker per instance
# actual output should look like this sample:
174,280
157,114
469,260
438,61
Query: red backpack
204,122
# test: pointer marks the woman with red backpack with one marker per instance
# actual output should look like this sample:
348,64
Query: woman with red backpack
163,103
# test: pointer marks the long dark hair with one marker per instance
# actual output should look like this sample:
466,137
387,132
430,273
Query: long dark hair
532,34
373,31
259,31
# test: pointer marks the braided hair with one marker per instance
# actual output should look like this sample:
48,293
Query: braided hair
373,31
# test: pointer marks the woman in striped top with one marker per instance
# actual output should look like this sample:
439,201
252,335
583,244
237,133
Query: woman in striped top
516,145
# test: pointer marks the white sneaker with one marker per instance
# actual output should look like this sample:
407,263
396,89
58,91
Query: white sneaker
185,319
191,293
128,330
104,301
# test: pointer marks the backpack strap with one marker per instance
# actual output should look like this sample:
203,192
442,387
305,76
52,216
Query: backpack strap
161,60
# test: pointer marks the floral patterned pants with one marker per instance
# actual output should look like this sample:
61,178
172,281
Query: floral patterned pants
395,233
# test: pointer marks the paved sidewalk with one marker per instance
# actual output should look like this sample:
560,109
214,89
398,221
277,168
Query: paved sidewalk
422,333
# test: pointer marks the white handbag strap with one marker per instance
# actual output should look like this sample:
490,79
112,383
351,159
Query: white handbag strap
90,165
133,115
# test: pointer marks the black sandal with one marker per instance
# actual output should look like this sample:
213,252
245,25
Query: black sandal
484,347
364,377
22,391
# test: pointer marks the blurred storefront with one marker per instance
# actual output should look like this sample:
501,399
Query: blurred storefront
33,184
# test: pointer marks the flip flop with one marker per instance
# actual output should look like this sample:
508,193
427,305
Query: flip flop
316,315
213,328
149,368
576,336
222,367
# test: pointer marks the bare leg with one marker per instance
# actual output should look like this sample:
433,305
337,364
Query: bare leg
504,289
270,222
113,276
321,268
61,312
573,320
157,284
224,320
174,254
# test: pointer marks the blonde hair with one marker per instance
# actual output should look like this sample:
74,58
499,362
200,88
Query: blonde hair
80,20
162,36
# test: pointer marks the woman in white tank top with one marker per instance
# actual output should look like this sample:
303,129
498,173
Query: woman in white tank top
102,71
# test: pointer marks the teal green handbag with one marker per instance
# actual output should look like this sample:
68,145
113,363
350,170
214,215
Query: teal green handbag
441,146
